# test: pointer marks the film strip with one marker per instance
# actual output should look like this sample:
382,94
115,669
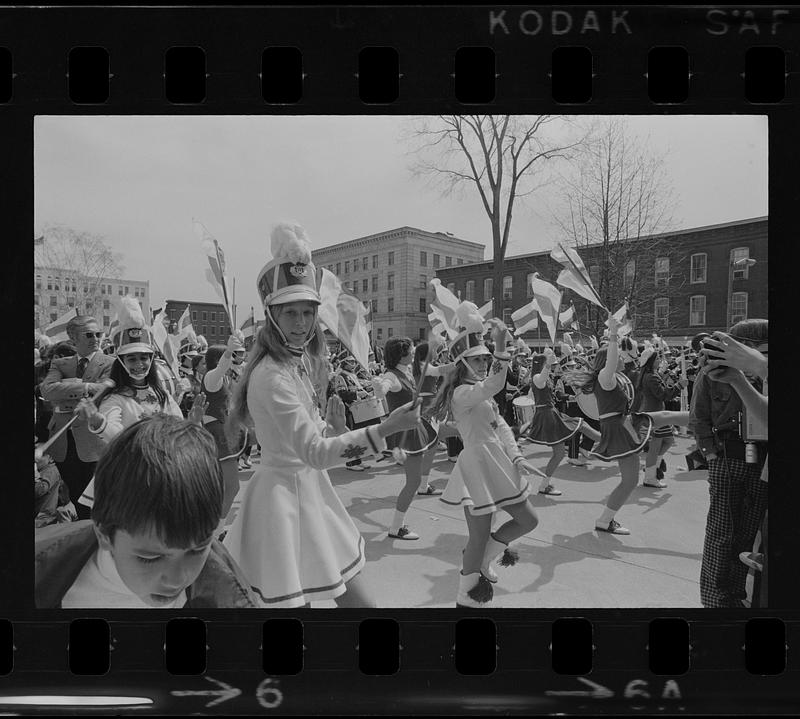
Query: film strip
399,61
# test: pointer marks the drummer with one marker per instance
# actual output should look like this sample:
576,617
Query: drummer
618,439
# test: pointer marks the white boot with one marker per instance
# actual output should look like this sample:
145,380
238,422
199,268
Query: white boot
474,590
650,479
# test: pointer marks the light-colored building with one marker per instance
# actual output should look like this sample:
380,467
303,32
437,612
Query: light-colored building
56,290
390,272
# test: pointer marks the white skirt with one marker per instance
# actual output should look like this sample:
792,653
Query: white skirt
485,480
293,537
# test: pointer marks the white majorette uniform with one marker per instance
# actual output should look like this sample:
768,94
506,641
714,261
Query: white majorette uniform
292,536
484,478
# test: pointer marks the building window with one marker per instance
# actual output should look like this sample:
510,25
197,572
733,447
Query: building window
448,261
470,291
213,331
528,285
487,289
422,333
661,312
436,260
119,290
452,287
194,315
365,285
338,268
630,273
102,289
508,286
53,301
71,302
205,316
423,305
213,316
738,307
365,264
203,330
698,264
355,265
53,316
106,320
423,281
594,275
390,304
390,332
375,306
346,285
374,262
459,261
697,310
127,290
507,317
347,267
106,305
49,283
38,282
423,259
109,289
374,284
662,271
391,258
380,333
740,253
390,281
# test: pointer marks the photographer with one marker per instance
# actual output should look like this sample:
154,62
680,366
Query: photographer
738,497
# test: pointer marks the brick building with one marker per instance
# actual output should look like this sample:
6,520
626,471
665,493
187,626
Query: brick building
208,319
390,271
57,290
691,282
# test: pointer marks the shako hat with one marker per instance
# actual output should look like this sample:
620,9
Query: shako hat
290,276
132,333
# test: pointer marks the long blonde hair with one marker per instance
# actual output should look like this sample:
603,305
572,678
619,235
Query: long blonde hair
269,342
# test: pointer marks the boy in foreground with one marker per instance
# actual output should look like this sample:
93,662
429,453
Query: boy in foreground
150,543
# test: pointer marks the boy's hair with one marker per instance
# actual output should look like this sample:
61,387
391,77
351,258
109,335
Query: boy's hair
161,473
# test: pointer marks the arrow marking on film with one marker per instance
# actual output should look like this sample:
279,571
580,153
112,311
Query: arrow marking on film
225,692
598,691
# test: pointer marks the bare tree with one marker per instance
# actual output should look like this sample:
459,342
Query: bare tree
617,196
503,157
77,263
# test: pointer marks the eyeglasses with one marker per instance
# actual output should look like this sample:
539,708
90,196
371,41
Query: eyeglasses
89,335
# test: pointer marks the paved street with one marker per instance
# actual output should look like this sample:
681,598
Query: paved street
564,562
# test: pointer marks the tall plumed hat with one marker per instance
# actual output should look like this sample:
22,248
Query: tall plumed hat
469,341
290,276
132,333
521,347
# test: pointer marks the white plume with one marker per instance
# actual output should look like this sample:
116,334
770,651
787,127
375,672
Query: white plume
129,313
469,318
290,242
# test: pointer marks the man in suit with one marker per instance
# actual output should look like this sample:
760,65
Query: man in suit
70,378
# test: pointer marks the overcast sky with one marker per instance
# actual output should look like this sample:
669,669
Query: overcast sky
138,181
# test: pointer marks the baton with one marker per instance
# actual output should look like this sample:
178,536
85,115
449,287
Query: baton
96,399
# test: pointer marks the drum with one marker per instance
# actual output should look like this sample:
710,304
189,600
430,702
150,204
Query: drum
524,408
364,410
588,402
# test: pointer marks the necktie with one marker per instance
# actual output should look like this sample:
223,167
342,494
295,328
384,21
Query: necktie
82,362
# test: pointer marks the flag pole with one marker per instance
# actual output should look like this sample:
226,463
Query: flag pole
224,288
234,305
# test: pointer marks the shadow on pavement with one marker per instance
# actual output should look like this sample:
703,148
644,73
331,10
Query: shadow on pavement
589,545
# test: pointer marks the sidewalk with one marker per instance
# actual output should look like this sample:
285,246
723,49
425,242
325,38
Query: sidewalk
564,562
